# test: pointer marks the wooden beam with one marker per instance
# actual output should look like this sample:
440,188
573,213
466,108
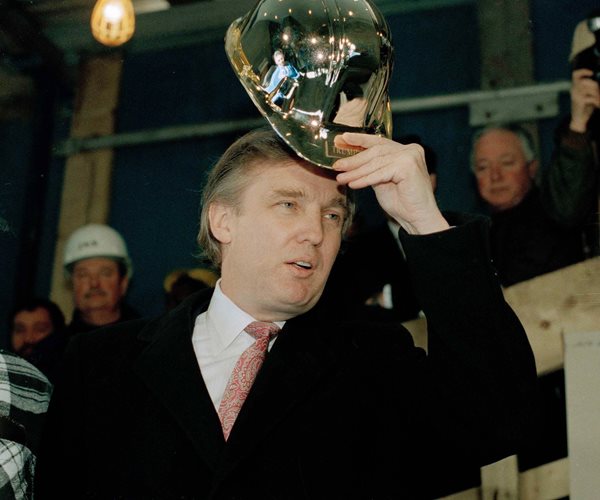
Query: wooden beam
500,480
548,305
547,482
555,303
582,373
87,180
505,42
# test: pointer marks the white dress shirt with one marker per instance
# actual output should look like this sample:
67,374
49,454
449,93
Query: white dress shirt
219,340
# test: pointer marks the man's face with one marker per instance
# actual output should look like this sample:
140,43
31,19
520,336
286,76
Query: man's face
30,327
98,285
279,245
279,59
503,174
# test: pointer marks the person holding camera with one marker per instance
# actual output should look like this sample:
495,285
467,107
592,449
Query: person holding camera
572,181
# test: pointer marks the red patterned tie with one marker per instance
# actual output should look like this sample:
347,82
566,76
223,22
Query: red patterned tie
244,373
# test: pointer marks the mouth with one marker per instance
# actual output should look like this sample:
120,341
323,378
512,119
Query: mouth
302,264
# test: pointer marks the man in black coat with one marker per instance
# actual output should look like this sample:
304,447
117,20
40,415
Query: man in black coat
338,409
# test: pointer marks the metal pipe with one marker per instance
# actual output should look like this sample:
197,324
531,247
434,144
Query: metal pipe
76,145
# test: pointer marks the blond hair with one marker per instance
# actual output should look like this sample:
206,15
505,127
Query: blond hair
230,176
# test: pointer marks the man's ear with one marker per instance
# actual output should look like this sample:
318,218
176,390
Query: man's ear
219,218
124,284
533,168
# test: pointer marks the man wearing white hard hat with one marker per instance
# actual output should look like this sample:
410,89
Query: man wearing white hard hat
97,263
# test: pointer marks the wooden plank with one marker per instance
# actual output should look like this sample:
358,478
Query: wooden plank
471,494
418,330
582,373
505,43
87,180
548,305
500,480
547,482
567,300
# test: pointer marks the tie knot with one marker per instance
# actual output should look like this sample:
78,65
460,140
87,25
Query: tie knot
260,330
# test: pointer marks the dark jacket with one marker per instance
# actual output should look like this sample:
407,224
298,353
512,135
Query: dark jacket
556,224
527,242
339,410
372,260
570,187
78,325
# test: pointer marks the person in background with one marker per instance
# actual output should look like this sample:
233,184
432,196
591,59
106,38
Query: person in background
181,283
182,406
527,239
572,182
37,333
24,398
370,277
98,267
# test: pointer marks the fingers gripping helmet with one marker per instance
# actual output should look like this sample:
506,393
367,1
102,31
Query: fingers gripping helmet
96,240
315,69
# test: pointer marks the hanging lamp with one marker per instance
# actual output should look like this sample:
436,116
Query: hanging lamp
113,22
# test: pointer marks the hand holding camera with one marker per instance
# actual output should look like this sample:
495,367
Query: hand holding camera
585,62
585,98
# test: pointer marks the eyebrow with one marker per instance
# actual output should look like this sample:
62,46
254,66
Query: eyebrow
338,201
288,193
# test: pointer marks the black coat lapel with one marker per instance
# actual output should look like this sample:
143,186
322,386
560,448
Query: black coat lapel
169,368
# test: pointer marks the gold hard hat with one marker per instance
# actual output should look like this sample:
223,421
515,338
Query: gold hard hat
315,69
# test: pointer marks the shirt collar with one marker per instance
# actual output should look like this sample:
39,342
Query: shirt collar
226,319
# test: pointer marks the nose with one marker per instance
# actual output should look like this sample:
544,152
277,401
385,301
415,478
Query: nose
29,337
94,280
311,229
495,172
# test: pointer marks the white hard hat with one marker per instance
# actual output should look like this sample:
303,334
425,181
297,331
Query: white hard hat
583,39
96,240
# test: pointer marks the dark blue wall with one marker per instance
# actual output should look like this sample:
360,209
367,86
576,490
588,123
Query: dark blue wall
155,197
15,158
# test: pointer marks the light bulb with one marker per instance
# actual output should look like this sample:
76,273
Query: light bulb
113,12
113,22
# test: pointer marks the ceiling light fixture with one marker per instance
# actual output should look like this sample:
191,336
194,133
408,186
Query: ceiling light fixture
113,22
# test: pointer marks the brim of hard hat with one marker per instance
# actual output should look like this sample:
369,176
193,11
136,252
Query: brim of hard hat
200,274
583,39
311,139
69,266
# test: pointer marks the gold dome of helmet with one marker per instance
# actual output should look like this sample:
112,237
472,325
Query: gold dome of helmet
315,69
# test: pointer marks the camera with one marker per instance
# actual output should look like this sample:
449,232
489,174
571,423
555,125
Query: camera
590,57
